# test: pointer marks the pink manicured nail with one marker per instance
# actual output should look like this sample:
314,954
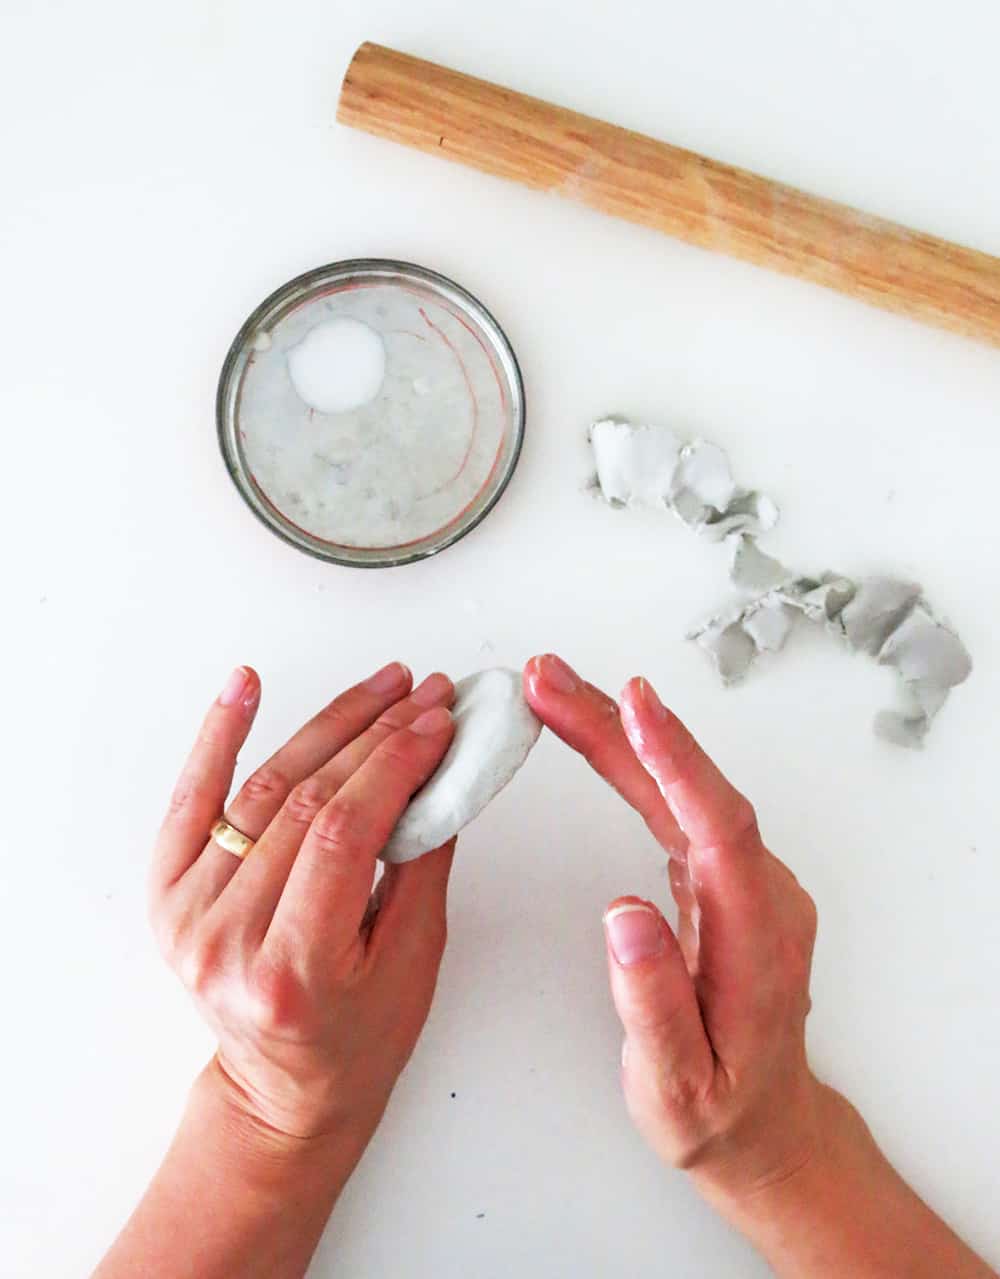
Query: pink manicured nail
634,933
389,678
647,697
554,672
435,688
433,721
235,686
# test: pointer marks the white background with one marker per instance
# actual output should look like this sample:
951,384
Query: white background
164,168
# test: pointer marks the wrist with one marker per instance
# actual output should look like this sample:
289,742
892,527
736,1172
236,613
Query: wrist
825,1204
235,1194
833,1145
261,1158
846,1211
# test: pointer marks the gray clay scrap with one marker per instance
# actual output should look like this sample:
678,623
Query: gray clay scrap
650,466
887,619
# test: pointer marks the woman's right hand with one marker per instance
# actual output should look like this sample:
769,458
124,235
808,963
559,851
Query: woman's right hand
714,1063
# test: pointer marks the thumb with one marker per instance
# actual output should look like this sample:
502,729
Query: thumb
410,925
667,1052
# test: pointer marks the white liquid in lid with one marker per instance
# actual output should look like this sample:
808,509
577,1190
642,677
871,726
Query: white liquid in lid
338,366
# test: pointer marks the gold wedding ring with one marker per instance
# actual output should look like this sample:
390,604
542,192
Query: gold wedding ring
231,839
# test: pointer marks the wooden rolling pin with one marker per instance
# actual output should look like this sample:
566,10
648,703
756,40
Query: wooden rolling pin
632,176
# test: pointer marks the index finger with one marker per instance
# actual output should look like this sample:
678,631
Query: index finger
325,897
588,720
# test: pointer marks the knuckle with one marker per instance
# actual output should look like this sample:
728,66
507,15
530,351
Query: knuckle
797,941
339,826
191,787
278,999
796,961
685,752
398,759
266,785
643,1008
305,800
599,752
168,932
200,963
338,718
602,703
398,716
783,989
744,819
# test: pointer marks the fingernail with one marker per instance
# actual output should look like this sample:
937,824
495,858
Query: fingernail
235,686
634,933
554,672
433,690
433,721
389,678
646,695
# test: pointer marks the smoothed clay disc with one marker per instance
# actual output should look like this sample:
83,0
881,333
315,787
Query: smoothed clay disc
495,729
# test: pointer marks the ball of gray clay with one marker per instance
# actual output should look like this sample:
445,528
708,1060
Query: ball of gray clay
495,729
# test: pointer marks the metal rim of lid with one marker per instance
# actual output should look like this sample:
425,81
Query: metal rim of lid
234,363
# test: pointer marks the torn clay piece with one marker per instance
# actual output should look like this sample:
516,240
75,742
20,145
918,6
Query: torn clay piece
880,616
748,514
769,626
931,660
495,729
901,729
751,570
924,651
648,466
823,600
635,464
908,726
729,646
734,639
877,608
703,477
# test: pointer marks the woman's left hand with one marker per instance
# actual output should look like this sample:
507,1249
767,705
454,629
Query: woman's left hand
316,989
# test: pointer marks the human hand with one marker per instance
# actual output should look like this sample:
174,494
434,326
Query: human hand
316,989
714,1061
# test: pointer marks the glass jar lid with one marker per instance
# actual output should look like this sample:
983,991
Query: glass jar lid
371,412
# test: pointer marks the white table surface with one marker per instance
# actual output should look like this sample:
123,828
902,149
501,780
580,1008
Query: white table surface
164,167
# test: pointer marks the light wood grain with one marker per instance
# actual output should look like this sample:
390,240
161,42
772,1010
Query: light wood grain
632,176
